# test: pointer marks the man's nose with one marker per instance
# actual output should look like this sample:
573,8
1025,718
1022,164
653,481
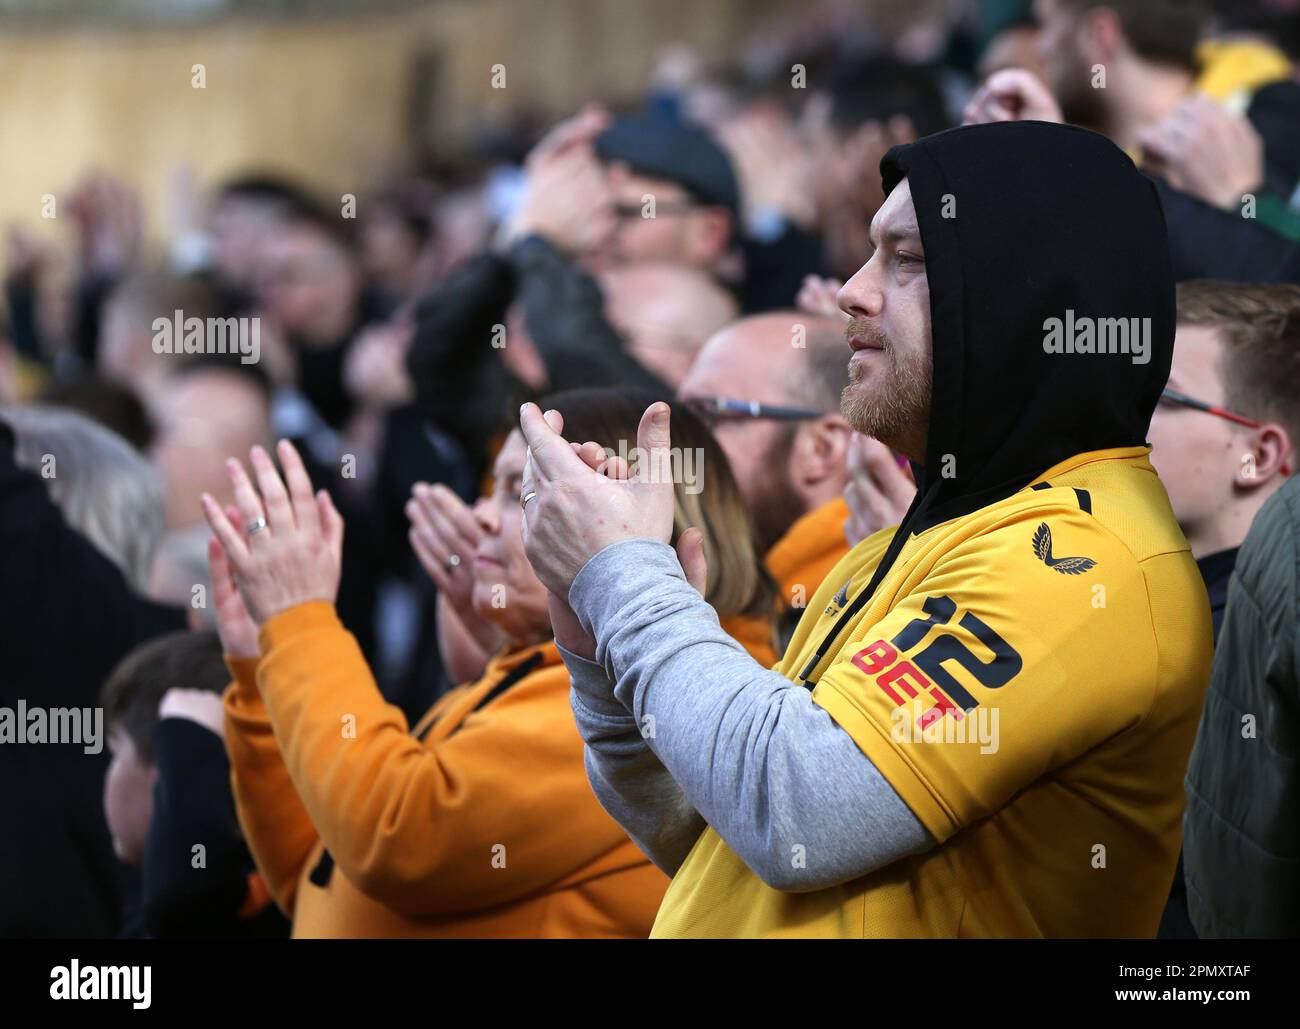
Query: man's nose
861,296
488,514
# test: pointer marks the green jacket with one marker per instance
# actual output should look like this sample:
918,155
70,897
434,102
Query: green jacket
1241,832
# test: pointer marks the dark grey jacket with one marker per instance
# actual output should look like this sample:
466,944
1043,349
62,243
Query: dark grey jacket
461,385
1241,833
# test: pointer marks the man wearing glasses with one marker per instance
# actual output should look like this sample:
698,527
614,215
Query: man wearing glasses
1223,436
675,195
774,409
769,386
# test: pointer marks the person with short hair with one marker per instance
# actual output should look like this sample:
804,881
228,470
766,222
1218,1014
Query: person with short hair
209,410
167,794
769,385
1147,49
126,354
981,724
1213,120
1224,434
1223,437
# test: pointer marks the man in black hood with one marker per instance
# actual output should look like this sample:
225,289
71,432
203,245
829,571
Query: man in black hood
981,724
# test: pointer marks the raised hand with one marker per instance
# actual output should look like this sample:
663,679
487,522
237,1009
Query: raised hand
879,490
374,371
572,511
289,549
1012,94
444,535
199,706
566,195
774,168
566,199
1207,151
568,630
236,628
819,295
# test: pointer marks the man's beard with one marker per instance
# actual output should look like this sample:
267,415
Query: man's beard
1081,104
1086,108
892,411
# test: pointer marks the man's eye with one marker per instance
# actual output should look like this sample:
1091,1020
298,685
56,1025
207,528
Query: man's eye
908,259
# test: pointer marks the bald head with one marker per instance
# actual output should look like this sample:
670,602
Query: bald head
208,415
666,313
790,358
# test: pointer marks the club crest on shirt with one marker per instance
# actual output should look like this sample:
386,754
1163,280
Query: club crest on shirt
1064,565
840,599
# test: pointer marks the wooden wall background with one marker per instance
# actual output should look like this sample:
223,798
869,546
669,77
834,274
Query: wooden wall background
324,98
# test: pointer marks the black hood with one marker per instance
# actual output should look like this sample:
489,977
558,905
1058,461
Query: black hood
1044,219
1023,222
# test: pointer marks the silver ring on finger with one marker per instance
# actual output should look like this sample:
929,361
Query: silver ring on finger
452,562
253,528
523,501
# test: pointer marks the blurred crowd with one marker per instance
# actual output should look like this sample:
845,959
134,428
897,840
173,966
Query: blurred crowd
687,244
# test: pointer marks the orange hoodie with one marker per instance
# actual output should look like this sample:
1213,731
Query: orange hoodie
480,823
811,547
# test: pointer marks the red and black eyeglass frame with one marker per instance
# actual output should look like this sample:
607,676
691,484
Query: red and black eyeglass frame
1183,400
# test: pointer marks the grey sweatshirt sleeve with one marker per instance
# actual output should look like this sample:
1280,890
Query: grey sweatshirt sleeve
769,770
632,785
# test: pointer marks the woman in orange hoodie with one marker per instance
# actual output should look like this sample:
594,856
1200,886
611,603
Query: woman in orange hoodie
479,821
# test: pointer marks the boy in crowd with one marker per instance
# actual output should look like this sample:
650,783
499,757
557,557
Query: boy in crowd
167,795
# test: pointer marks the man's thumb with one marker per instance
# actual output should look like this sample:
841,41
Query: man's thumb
690,552
653,439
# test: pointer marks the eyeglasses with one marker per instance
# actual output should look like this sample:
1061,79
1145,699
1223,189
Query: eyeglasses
711,410
1183,400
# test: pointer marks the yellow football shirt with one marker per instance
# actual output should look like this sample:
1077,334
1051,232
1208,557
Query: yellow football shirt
1029,679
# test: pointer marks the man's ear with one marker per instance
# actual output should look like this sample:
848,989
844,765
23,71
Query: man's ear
710,232
1101,35
820,454
1268,453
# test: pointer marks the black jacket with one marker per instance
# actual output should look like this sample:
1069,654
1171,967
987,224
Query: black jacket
185,893
1241,832
66,616
1216,570
462,386
1209,243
